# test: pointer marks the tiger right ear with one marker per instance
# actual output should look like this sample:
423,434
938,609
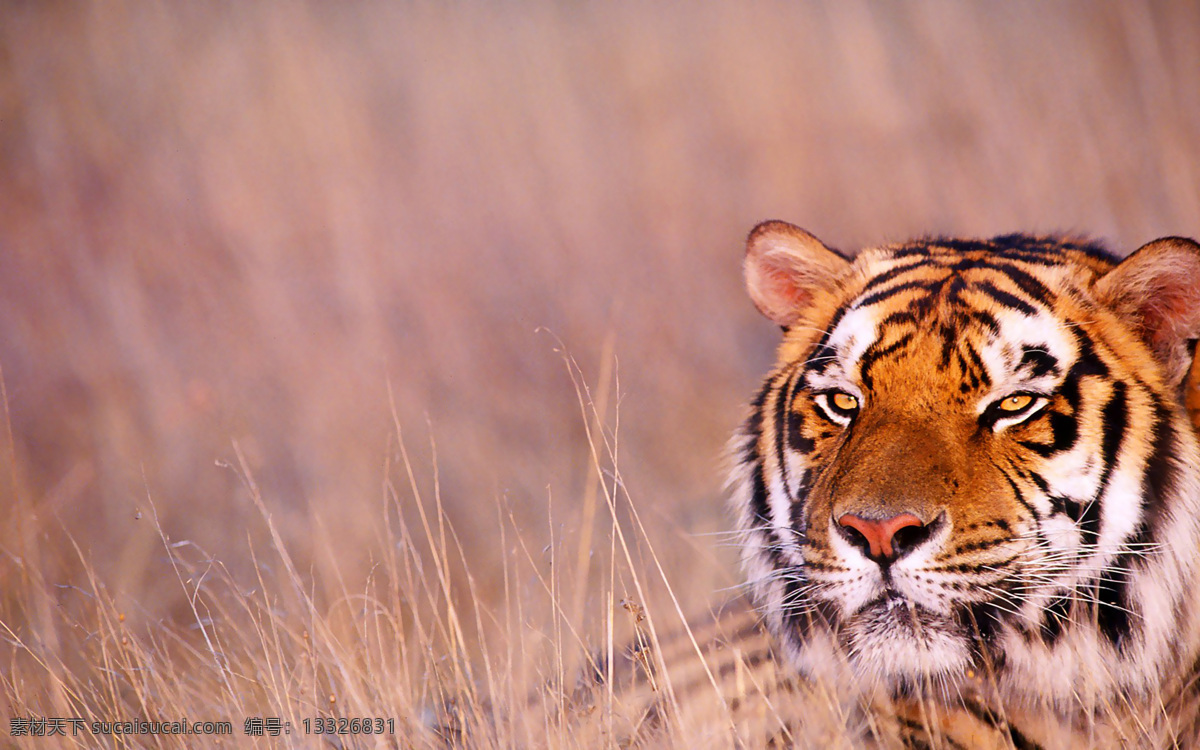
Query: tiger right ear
1157,288
785,268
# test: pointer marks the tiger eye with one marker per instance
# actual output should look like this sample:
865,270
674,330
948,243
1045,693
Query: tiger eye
845,401
1016,403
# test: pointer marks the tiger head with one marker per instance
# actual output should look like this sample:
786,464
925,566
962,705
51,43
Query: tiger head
974,456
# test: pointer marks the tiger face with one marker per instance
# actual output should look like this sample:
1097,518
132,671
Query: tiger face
973,457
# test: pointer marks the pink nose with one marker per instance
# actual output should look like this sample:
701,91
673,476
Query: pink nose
879,534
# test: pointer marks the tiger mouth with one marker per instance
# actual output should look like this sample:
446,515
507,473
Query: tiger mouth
896,637
892,606
895,619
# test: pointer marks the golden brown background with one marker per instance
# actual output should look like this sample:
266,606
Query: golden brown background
234,227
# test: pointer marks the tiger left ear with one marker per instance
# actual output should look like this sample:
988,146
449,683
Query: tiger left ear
786,267
1157,288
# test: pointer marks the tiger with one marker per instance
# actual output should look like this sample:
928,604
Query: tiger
967,498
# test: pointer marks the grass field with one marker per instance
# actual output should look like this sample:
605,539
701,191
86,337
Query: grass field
361,359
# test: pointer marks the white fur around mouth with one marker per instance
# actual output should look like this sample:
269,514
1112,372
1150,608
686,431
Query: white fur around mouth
894,638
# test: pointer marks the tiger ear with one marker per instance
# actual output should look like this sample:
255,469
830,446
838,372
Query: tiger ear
1157,288
785,267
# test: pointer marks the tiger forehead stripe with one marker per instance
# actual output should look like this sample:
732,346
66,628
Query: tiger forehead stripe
942,286
949,275
1038,361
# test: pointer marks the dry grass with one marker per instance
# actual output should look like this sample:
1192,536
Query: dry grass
240,247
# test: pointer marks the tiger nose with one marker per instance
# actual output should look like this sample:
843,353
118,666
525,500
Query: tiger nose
882,537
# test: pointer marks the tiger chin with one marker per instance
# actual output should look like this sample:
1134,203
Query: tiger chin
972,479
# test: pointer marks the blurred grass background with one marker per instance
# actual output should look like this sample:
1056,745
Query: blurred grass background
242,224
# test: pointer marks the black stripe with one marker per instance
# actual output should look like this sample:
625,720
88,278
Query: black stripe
823,354
1048,250
955,290
820,412
980,367
961,245
1026,282
1042,449
1020,741
783,397
970,263
805,613
760,398
986,320
1092,249
753,428
762,517
980,544
1112,604
821,565
1029,250
1018,241
796,438
1088,362
986,618
1160,471
892,291
1068,389
1040,481
1073,508
1054,617
899,318
1058,506
874,353
795,603
1018,495
758,500
1087,518
1114,421
915,249
950,333
821,358
890,274
1038,360
986,715
1033,258
971,379
1005,299
1064,431
799,506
